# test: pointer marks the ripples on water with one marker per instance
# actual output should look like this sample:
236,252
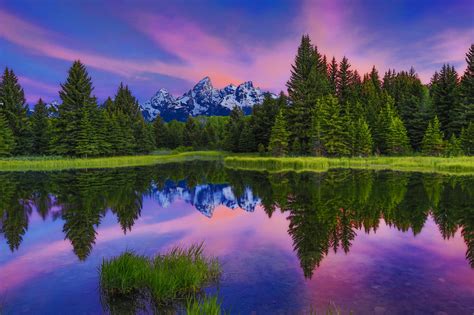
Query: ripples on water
366,241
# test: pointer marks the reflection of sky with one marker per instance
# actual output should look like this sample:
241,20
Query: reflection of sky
261,272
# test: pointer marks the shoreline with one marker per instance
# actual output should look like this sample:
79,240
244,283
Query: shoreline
427,164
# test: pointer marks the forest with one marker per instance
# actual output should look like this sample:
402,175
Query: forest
329,110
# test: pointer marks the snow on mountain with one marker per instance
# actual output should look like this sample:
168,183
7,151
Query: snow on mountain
205,197
202,99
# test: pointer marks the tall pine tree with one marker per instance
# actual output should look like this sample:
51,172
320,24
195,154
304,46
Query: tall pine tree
467,88
14,109
307,83
7,140
433,140
278,145
76,111
446,100
40,128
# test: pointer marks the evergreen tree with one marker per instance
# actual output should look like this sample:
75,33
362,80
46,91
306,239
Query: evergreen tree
363,139
446,100
211,138
77,101
453,147
397,138
40,128
144,136
433,139
307,83
14,109
7,140
86,140
247,139
175,131
234,129
467,88
333,71
345,78
411,101
263,117
191,133
334,134
160,132
278,145
467,139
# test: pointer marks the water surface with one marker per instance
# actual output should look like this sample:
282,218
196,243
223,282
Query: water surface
366,241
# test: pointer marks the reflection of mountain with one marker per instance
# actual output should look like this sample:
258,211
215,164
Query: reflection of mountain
205,197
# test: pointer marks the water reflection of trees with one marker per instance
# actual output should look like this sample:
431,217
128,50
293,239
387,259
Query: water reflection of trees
325,210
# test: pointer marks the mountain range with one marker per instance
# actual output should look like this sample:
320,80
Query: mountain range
202,99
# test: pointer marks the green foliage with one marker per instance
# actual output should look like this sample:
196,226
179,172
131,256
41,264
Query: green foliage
433,140
446,100
14,110
391,133
453,148
175,133
247,138
235,126
77,116
345,78
467,87
160,132
334,135
40,126
278,145
263,117
363,139
205,306
191,134
7,140
307,83
467,139
411,102
397,138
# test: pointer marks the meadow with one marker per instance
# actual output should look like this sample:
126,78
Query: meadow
447,165
452,165
64,163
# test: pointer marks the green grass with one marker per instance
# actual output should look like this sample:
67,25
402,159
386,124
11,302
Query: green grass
59,163
455,165
205,306
165,279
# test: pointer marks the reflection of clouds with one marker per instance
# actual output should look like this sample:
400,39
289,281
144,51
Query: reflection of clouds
245,229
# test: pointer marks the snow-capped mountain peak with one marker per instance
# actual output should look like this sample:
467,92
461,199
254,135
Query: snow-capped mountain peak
202,99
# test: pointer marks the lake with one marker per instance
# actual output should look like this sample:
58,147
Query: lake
378,242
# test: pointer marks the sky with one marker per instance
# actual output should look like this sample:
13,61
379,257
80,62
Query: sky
173,44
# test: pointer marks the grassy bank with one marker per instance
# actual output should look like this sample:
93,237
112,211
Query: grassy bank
55,163
455,165
164,280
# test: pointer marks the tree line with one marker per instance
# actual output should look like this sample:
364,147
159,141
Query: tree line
329,110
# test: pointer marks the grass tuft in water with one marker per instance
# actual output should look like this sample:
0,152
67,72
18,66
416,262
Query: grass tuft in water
165,279
205,306
125,274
